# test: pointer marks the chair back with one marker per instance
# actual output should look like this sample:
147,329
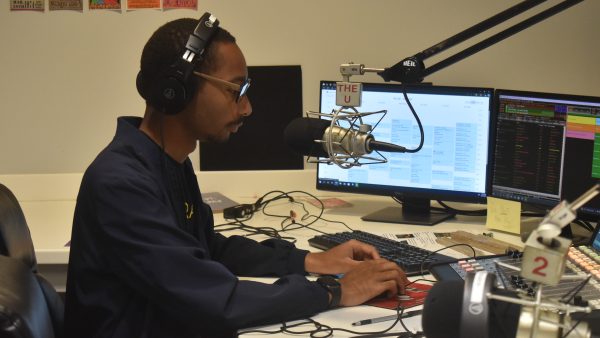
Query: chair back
29,305
15,238
23,309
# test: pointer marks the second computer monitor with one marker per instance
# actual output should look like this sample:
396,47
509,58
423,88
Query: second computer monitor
451,166
547,148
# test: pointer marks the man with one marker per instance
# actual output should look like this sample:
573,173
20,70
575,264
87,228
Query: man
145,260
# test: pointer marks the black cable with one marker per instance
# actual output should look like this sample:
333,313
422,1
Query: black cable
252,230
532,214
323,331
575,325
454,211
575,290
481,212
304,217
263,203
423,261
416,118
421,280
330,221
587,226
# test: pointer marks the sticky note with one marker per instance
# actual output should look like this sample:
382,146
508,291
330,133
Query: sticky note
503,215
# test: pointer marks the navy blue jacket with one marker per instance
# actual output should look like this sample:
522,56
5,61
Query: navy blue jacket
135,271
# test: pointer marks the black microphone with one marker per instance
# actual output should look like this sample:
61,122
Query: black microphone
301,133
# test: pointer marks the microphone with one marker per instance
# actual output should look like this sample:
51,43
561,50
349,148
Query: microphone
449,311
313,137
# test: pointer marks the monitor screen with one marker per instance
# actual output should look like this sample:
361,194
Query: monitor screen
452,164
547,148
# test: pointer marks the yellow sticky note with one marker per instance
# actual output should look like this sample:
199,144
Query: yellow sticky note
503,215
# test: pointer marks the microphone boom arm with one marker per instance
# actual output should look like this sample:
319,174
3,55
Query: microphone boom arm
413,70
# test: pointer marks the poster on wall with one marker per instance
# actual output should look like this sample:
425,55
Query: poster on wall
66,5
27,5
105,4
185,4
143,4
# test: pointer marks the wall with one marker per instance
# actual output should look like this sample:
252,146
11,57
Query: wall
66,76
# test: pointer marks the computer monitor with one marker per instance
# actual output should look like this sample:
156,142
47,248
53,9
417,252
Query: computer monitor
547,148
451,166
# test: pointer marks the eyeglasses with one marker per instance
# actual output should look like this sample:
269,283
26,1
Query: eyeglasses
241,89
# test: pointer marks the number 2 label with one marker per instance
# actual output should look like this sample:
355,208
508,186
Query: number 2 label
543,264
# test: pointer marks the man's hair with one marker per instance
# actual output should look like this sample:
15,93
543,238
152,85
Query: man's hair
167,44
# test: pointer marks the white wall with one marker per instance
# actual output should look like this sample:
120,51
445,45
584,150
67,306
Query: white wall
66,76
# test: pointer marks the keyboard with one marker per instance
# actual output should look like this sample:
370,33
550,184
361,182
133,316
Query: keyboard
409,258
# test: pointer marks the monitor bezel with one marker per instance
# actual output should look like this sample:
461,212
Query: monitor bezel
421,193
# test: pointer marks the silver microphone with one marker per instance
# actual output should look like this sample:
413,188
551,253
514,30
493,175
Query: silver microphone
330,142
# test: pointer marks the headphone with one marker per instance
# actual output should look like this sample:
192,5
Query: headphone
174,86
475,305
462,309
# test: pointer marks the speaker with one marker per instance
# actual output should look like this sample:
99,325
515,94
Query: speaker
174,86
276,98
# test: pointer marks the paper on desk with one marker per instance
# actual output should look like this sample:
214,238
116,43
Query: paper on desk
503,215
425,240
329,203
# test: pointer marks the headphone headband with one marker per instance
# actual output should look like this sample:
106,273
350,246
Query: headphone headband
475,307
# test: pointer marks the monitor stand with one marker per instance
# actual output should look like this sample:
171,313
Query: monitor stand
413,211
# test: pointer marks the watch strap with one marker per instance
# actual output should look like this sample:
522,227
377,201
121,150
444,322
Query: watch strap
334,288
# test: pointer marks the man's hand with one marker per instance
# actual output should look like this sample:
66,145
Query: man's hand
340,259
371,278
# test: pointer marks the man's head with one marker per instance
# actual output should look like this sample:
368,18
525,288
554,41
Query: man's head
215,108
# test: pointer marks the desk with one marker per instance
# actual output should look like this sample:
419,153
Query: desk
343,317
48,202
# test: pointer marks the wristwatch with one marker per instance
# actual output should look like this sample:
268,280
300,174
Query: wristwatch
334,288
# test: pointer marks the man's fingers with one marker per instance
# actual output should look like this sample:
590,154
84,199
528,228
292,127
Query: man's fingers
362,251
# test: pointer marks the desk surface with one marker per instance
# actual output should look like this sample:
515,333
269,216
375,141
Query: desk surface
343,318
48,202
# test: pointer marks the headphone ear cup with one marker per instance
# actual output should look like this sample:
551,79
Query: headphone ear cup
171,95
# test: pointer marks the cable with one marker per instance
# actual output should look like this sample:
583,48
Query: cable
252,230
575,290
587,226
424,260
263,203
322,331
575,325
416,118
454,211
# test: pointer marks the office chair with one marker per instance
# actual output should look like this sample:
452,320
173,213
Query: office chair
29,304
